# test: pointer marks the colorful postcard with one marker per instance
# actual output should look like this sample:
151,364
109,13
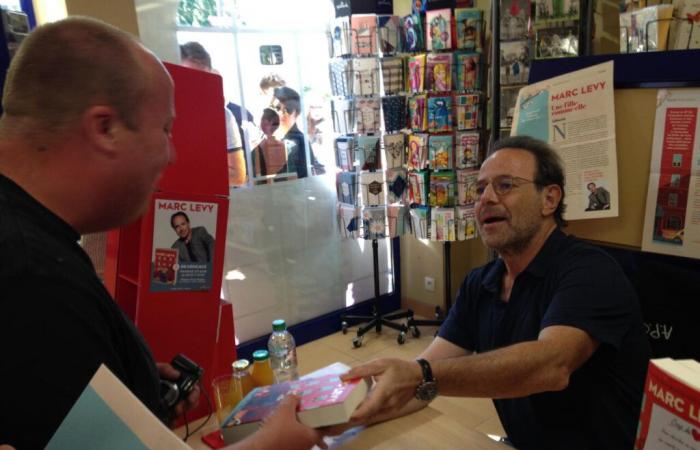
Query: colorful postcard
392,74
349,221
417,114
416,73
440,151
467,149
442,224
396,185
417,151
418,183
439,29
372,188
399,220
515,19
515,62
442,188
556,11
560,42
374,222
469,27
340,36
439,114
438,72
364,34
466,186
389,34
467,71
466,223
412,33
467,111
367,154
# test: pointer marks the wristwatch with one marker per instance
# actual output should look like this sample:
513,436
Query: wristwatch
427,388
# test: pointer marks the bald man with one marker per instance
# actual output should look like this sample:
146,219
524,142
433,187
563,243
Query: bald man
84,138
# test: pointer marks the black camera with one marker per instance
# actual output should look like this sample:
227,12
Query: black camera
171,392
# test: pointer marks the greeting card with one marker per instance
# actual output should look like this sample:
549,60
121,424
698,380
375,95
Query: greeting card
438,33
439,114
440,151
467,71
467,149
438,72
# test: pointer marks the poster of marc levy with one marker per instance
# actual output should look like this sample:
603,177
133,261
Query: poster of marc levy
575,113
183,245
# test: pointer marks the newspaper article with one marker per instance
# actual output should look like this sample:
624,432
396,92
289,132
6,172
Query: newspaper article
672,213
575,113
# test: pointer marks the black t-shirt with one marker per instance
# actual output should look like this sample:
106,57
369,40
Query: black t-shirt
57,325
574,284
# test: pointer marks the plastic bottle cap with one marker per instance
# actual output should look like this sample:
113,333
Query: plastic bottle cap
240,365
279,325
260,355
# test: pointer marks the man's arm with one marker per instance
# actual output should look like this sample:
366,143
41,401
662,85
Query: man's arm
514,371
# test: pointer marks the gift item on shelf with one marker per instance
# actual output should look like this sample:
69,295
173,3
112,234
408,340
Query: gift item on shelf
467,144
442,188
685,31
418,183
399,220
344,154
466,223
393,74
440,149
367,114
367,156
415,78
439,114
394,150
417,117
438,72
394,108
420,217
349,221
347,187
374,222
343,113
389,34
469,29
442,224
372,188
467,71
364,34
467,111
466,186
438,35
396,185
515,62
365,76
412,33
417,151
645,30
515,19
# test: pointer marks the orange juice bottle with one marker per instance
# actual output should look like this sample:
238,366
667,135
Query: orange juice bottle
262,370
241,381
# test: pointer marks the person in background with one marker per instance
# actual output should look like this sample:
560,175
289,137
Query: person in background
85,135
269,157
195,56
193,244
551,330
268,84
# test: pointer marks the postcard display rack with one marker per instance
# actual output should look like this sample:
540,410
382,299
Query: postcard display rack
408,109
531,29
178,314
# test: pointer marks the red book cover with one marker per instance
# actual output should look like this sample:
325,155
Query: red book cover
165,265
325,400
670,416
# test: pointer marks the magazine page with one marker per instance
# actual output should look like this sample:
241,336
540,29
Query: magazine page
575,113
672,214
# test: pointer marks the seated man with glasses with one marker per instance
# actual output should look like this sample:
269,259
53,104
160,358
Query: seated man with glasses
551,329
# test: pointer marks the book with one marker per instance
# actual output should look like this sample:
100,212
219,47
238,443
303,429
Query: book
467,111
515,19
438,72
440,150
349,221
373,227
442,188
417,115
645,29
670,416
392,74
325,401
412,33
417,157
347,188
388,33
164,265
364,34
365,76
394,150
515,62
438,29
439,114
442,224
467,149
467,71
415,77
469,28
372,188
107,415
466,222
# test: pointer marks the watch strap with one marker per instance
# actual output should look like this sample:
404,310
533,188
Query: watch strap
427,371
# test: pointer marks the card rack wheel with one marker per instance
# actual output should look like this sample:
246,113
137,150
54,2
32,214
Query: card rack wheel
344,327
415,332
401,338
357,342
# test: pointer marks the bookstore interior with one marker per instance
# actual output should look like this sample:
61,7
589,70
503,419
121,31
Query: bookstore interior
364,203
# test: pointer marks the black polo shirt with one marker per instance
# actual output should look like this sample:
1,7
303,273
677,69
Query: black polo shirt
57,325
568,283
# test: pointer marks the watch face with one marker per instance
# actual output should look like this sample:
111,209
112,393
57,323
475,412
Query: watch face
426,391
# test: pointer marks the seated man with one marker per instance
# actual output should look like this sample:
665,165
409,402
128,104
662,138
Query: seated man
84,137
551,330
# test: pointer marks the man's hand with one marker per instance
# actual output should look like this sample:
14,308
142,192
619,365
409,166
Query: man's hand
395,385
168,372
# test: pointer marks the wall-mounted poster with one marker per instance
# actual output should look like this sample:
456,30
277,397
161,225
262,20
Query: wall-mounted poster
182,257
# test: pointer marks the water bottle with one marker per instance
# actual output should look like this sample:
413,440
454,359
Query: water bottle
283,352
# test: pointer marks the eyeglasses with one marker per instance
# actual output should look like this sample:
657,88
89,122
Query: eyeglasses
501,185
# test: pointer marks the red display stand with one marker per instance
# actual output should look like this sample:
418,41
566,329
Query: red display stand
194,322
